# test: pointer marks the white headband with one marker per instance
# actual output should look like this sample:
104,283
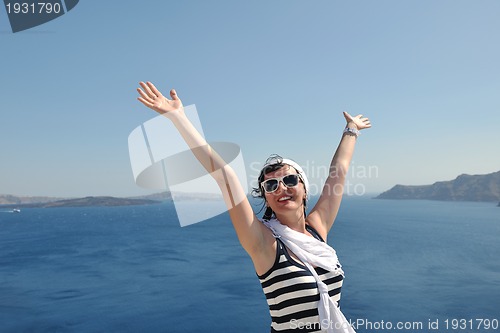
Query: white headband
296,167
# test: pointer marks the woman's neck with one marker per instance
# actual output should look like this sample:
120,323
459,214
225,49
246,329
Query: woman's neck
295,221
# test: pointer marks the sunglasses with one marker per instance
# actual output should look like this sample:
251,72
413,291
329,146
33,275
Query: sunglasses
270,185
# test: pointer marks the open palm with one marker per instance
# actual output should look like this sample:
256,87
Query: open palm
154,99
360,121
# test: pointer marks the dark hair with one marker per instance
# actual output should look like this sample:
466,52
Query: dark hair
273,163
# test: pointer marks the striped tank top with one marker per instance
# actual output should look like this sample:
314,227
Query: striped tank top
292,293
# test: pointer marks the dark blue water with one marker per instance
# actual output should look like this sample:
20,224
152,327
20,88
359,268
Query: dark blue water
134,269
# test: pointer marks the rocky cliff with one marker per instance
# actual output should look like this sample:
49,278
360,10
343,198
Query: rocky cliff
463,188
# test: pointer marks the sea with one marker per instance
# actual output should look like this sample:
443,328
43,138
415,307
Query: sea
411,266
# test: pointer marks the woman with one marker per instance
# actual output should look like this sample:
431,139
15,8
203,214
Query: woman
300,274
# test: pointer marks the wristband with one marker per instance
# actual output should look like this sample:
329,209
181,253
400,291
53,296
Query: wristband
351,131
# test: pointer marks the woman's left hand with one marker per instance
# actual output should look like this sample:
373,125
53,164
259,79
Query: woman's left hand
359,121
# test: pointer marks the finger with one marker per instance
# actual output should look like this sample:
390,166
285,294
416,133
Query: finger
153,89
147,90
173,94
145,102
143,95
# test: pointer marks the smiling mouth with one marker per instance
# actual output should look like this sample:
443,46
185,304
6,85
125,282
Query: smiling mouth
284,199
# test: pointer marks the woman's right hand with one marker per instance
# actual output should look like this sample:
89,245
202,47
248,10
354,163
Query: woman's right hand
153,99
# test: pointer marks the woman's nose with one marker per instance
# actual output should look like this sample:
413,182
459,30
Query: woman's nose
281,186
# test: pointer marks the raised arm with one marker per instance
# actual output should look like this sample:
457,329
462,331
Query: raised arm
251,232
325,211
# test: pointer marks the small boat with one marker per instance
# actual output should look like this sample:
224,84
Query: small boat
16,210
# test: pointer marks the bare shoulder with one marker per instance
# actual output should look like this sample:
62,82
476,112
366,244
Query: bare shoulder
314,222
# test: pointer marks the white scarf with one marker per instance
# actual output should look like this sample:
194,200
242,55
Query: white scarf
312,251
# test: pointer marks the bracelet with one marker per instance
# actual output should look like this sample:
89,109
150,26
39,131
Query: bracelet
351,131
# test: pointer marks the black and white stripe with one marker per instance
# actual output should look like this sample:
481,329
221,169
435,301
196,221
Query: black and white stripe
292,293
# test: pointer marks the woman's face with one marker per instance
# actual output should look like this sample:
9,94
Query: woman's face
285,198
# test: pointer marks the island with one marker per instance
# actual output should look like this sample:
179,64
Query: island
85,202
463,188
12,201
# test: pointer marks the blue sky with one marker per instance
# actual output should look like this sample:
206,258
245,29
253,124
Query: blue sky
271,76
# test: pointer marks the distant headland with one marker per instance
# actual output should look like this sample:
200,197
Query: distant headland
79,202
11,201
463,188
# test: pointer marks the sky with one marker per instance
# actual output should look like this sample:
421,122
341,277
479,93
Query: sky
270,76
